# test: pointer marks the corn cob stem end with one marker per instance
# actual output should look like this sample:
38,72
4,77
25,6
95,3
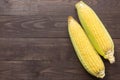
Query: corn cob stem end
101,74
110,56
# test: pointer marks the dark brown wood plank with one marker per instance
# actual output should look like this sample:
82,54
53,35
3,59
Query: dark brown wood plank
32,26
59,49
54,7
36,7
52,70
35,49
41,70
44,26
48,18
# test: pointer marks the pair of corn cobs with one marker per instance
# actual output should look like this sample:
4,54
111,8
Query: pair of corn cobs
90,40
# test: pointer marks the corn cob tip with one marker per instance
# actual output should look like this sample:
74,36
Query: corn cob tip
101,74
110,55
70,18
79,4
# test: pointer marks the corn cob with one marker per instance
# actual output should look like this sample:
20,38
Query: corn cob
89,58
96,31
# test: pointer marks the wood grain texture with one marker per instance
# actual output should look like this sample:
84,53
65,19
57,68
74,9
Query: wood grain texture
35,49
54,7
44,26
58,49
51,70
34,41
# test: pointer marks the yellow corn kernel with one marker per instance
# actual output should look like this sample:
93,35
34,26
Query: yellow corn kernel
87,55
96,31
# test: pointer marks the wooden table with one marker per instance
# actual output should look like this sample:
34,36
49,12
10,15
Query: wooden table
34,41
